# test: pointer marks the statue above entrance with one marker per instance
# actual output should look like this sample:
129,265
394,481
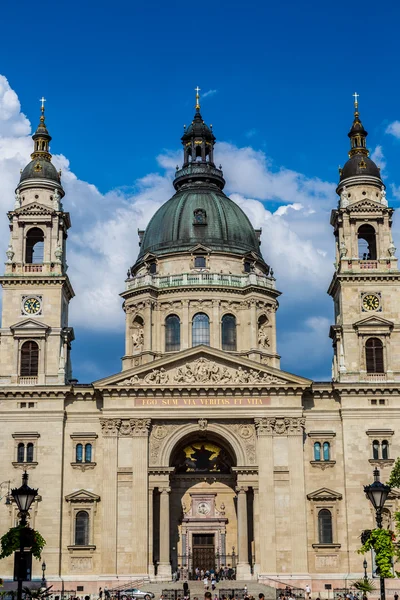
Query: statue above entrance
203,457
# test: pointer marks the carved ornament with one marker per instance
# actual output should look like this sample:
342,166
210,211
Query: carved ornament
204,371
279,425
110,427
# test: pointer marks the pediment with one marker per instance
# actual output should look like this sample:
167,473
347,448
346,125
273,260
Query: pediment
29,324
366,205
203,366
200,248
324,494
34,208
82,496
373,322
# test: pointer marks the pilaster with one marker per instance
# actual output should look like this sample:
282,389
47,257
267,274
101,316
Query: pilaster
110,429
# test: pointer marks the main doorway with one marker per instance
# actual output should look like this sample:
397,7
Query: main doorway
204,551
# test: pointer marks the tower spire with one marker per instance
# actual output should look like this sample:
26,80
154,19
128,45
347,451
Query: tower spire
41,137
357,133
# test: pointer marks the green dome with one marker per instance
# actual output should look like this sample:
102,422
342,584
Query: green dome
40,168
199,216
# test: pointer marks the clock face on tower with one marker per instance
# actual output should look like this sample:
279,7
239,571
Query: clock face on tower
31,305
371,302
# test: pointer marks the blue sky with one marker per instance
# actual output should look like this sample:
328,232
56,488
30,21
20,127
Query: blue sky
119,82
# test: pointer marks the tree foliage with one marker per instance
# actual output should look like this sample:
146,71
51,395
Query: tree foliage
11,541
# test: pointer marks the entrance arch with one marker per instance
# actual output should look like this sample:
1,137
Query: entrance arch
203,506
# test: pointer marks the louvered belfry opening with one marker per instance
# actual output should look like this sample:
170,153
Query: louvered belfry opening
374,355
29,359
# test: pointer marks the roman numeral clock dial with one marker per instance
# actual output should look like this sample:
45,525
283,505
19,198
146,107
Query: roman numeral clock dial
31,305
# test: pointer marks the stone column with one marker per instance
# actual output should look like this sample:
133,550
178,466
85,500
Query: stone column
147,325
253,325
164,572
185,325
215,336
140,538
256,521
243,566
298,526
150,536
266,524
110,429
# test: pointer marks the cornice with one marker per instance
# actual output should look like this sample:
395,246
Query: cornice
212,289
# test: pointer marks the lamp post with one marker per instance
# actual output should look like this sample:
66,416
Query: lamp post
365,565
23,496
377,494
43,574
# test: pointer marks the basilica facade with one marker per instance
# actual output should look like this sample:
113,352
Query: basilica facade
201,452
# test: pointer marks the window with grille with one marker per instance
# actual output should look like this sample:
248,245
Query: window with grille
327,451
29,359
228,332
200,262
21,453
82,528
374,355
88,453
79,453
200,330
325,527
172,333
29,452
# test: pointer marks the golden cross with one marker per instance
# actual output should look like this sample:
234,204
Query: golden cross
356,97
197,90
42,100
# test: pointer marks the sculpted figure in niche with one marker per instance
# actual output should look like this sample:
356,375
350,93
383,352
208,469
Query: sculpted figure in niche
137,338
263,339
344,198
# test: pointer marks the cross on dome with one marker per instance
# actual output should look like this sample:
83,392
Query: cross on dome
356,97
42,100
197,90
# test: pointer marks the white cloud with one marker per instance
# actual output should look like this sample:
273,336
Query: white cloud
209,93
379,159
394,129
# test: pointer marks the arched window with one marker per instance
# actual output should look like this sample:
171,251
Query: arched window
385,449
29,359
228,331
325,527
366,243
82,528
375,449
29,452
21,453
200,262
327,451
79,453
200,330
153,268
247,266
374,355
317,451
172,333
34,246
88,453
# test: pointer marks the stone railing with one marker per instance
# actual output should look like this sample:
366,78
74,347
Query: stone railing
200,279
27,380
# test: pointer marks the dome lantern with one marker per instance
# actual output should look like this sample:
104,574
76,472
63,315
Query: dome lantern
41,168
359,168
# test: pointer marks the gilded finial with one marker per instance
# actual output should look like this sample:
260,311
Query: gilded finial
197,90
356,97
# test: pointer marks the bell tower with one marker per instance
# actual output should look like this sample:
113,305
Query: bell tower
366,284
35,336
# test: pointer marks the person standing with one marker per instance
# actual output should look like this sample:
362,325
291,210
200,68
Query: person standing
205,581
308,592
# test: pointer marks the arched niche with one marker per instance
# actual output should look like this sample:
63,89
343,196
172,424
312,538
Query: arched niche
215,433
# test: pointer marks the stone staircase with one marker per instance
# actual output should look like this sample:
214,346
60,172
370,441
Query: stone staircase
196,588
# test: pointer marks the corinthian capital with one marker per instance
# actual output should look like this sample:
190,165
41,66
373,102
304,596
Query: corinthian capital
140,426
110,427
